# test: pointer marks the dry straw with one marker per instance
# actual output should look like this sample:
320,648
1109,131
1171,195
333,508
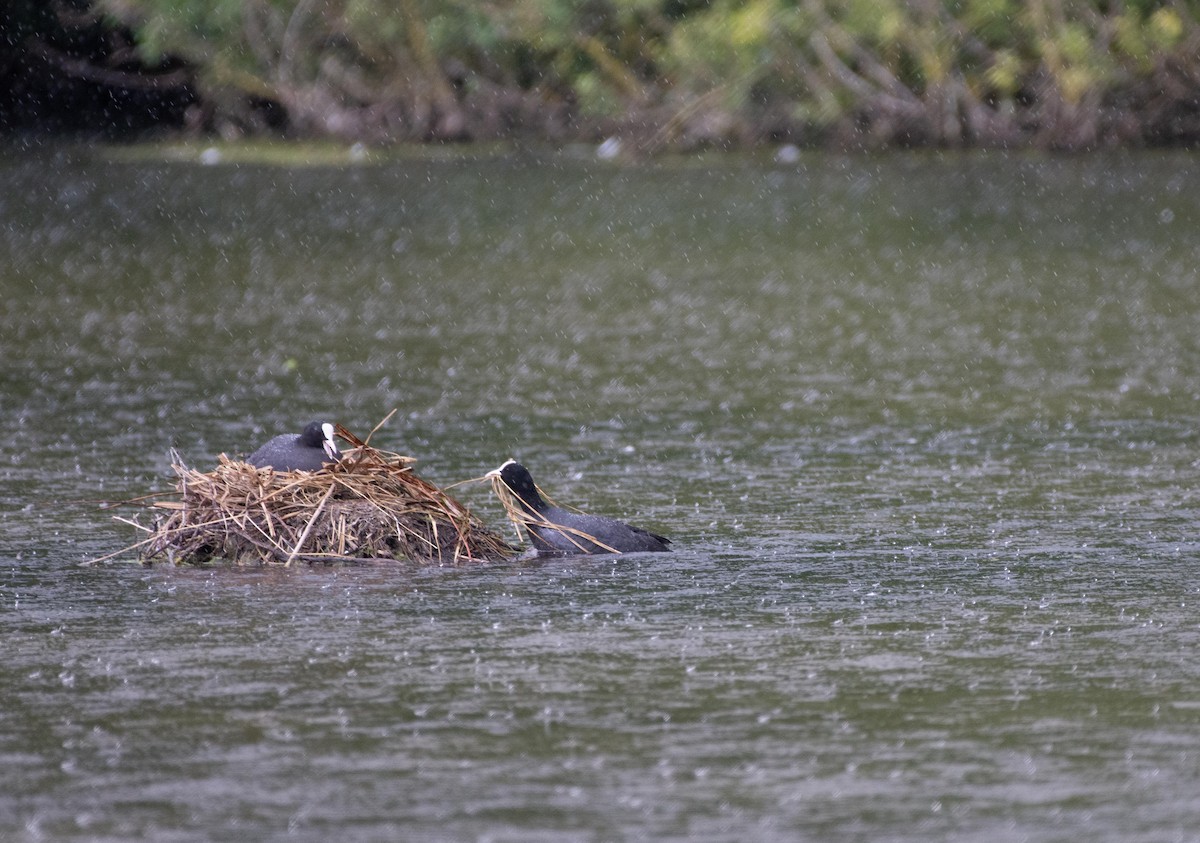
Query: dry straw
523,517
369,506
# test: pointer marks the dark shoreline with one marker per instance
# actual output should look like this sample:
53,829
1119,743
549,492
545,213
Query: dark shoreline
83,78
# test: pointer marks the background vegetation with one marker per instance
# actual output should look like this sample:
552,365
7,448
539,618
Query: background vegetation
682,73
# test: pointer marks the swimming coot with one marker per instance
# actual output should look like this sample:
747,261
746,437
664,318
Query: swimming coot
308,451
554,530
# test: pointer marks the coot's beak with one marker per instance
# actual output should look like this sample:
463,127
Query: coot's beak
495,472
331,449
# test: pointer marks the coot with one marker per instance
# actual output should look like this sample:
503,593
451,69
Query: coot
308,451
554,530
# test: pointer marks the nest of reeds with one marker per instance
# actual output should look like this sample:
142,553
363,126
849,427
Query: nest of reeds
368,506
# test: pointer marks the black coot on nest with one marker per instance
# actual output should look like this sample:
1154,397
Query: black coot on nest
554,530
306,451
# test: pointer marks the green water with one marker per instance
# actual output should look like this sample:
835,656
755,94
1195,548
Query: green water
922,428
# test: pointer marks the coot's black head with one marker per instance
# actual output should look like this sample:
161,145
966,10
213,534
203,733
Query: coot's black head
518,478
319,435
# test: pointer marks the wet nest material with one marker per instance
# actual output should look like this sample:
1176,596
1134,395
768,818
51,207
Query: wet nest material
369,506
522,517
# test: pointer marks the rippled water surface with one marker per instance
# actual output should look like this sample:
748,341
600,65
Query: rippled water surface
923,430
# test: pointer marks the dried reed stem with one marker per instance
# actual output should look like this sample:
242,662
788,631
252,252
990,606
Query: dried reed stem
523,515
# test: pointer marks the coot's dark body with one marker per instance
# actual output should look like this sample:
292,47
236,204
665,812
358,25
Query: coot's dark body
610,535
306,451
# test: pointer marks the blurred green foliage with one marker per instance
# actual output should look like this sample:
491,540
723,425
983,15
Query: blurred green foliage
1056,73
